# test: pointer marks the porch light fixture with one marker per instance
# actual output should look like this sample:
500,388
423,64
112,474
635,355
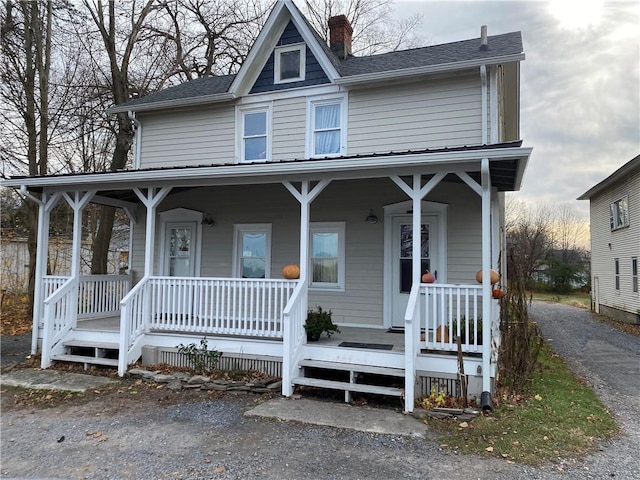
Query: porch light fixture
207,219
371,218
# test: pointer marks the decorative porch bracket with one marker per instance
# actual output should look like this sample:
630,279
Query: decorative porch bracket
151,200
45,205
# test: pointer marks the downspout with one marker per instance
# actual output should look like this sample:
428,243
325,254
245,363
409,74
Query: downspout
485,398
484,107
137,126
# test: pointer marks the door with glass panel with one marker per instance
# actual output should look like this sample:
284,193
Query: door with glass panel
402,261
180,249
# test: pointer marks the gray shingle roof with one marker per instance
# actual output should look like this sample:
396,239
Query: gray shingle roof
466,50
498,45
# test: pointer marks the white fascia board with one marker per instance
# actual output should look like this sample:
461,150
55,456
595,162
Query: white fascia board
267,38
427,70
176,103
322,167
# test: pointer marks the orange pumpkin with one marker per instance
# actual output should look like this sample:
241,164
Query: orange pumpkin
428,277
442,334
493,276
498,292
291,271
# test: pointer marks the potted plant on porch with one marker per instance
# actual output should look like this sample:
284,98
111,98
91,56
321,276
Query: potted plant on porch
319,322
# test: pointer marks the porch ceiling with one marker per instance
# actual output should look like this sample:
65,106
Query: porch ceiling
507,164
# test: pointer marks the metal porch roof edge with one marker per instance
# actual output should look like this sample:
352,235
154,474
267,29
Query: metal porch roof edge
167,175
619,174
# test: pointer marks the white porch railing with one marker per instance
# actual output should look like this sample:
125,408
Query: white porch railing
294,315
100,295
449,311
206,306
60,316
51,283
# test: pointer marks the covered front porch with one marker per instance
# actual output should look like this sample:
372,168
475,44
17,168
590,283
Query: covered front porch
447,199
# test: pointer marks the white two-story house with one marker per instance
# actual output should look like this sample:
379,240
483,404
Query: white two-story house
614,205
314,157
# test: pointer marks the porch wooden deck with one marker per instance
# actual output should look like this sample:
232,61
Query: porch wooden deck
373,337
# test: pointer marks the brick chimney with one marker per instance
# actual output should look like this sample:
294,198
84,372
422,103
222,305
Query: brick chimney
340,31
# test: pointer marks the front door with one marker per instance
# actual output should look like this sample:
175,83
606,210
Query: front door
180,259
402,260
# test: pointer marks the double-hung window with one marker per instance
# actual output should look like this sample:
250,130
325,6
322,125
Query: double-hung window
254,133
252,245
616,268
327,255
619,213
289,63
326,131
634,274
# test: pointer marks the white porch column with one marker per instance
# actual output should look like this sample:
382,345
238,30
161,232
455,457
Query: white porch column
486,285
78,204
151,200
45,205
305,197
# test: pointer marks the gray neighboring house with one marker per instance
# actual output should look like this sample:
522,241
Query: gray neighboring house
614,204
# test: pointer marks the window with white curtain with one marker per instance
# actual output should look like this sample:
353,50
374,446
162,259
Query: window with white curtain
327,255
252,257
326,130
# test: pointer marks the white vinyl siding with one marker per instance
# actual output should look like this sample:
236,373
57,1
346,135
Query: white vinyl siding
189,137
288,128
623,244
415,116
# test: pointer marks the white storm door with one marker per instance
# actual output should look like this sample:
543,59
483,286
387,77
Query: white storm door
402,260
180,246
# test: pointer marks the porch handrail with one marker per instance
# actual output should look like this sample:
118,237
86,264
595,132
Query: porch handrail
132,323
60,316
412,323
451,310
52,283
294,315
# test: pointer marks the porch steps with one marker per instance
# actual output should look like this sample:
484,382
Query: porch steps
356,383
89,353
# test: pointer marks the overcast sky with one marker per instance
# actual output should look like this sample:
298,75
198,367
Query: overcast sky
580,105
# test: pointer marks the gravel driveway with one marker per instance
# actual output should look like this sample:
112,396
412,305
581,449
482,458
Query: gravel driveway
202,438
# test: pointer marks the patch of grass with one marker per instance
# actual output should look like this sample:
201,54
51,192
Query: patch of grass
577,299
559,417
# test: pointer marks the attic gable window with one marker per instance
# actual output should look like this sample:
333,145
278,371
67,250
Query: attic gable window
619,213
289,63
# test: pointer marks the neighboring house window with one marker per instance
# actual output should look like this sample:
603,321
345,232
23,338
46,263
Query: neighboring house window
619,213
327,262
634,274
616,263
289,63
326,130
254,127
252,257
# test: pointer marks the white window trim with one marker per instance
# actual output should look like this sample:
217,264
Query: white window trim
310,137
238,230
635,279
614,210
329,227
179,215
240,113
300,47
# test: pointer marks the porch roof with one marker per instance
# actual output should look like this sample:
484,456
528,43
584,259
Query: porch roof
507,165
